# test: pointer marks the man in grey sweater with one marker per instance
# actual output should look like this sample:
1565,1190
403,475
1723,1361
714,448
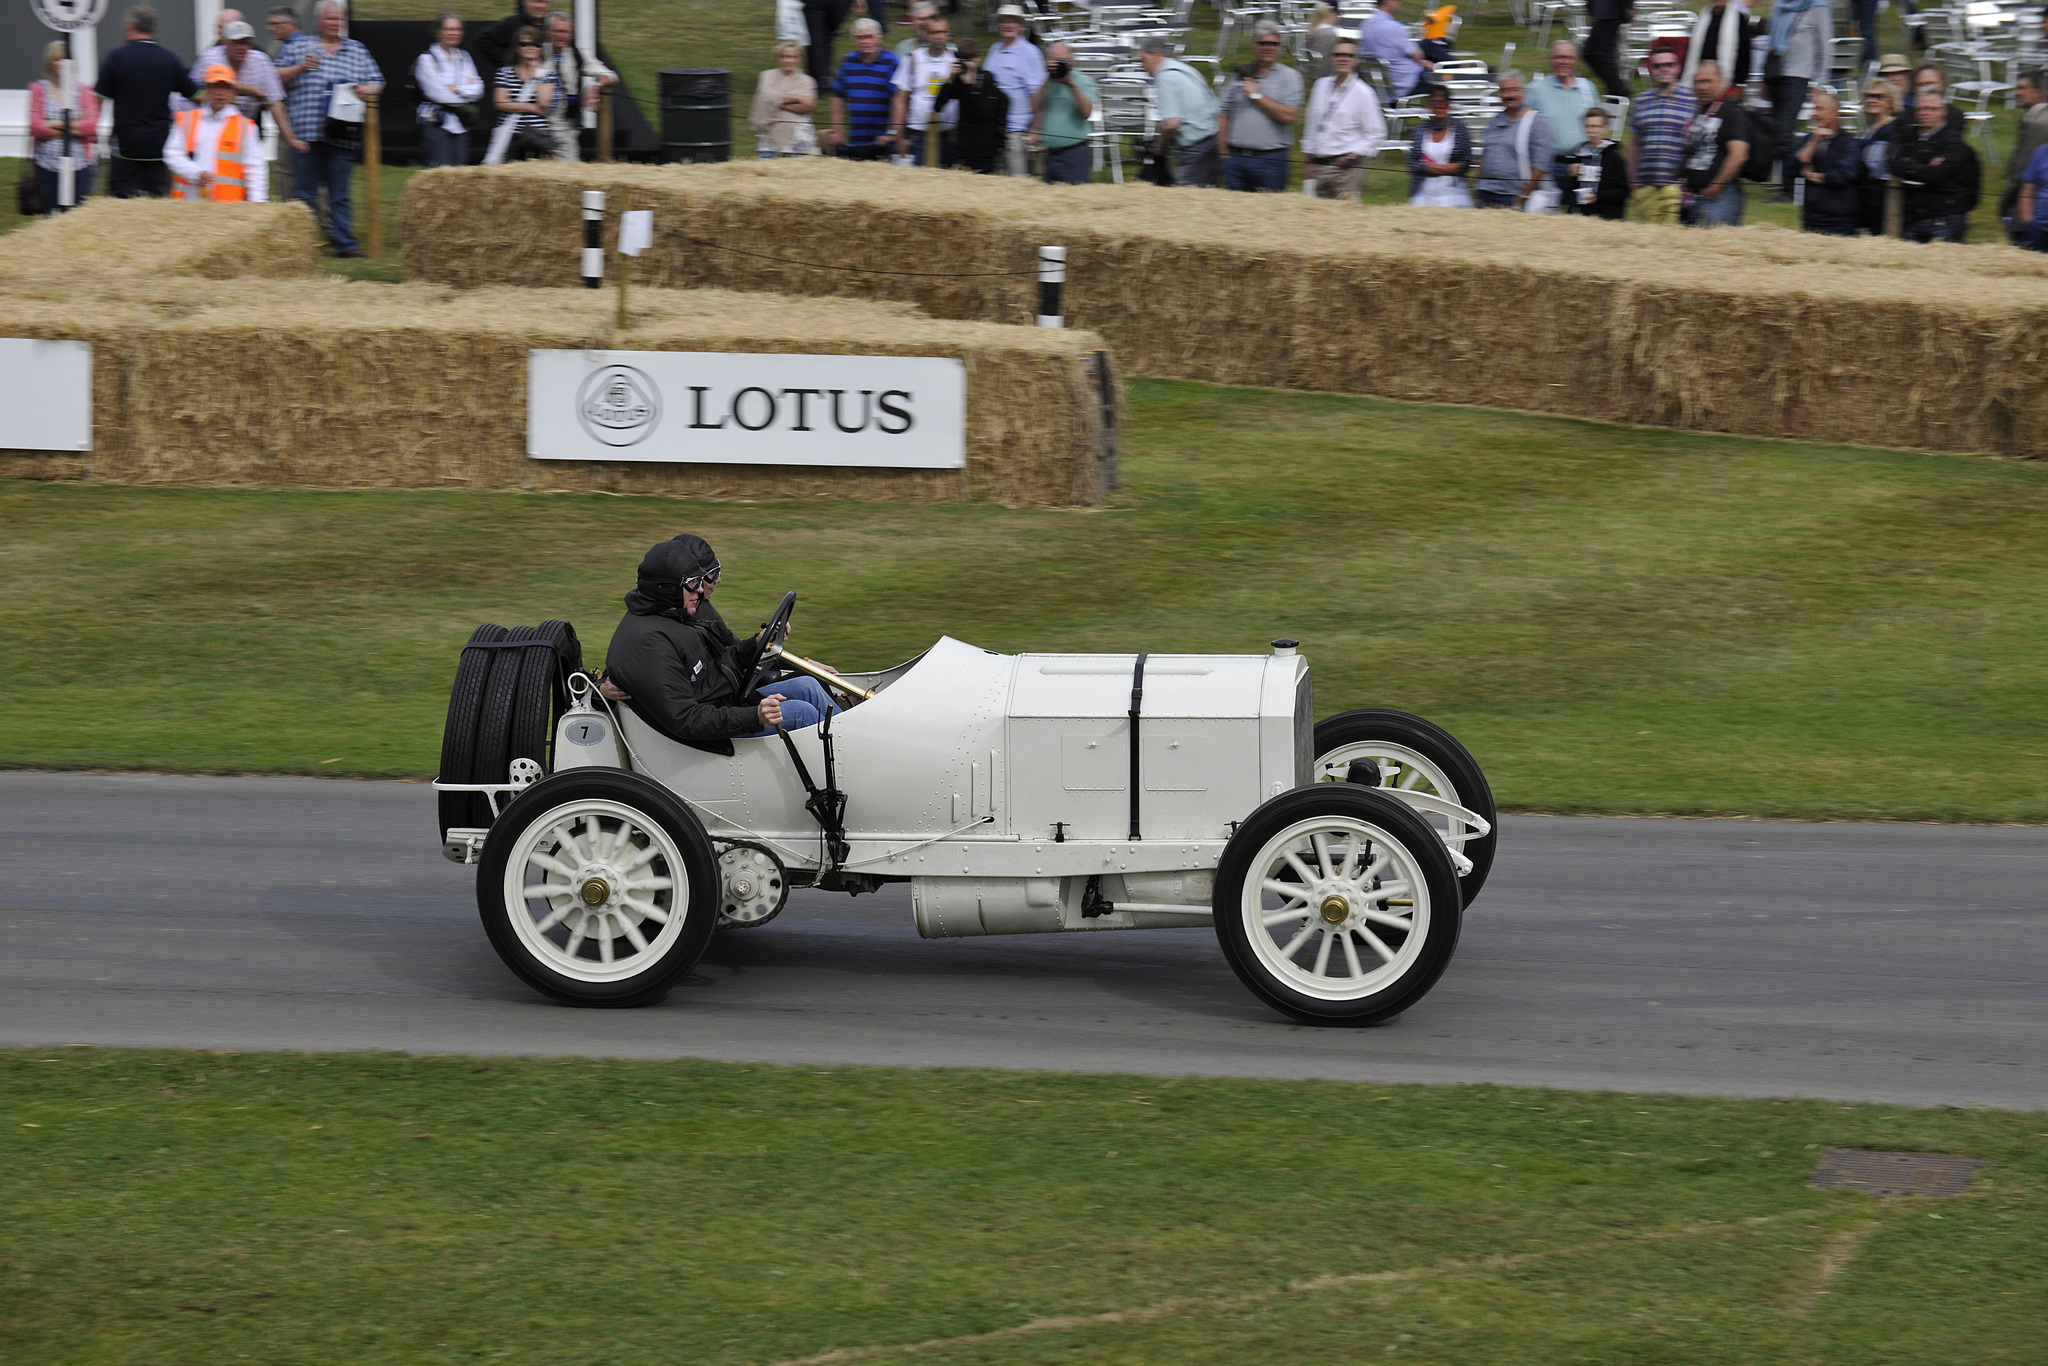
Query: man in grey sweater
1519,150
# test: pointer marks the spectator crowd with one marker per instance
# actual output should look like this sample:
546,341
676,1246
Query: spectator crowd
1690,146
1711,120
197,132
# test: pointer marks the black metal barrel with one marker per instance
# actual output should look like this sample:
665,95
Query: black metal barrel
696,115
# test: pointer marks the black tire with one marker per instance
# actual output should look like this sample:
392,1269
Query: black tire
458,735
1441,750
494,725
1363,995
693,901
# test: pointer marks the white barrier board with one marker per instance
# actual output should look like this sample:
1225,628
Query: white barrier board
45,395
727,408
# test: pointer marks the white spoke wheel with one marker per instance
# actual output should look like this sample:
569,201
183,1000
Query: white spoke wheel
598,888
1418,756
1337,904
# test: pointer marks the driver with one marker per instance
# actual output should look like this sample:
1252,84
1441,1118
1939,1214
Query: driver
676,661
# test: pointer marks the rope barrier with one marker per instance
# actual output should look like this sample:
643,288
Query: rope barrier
856,270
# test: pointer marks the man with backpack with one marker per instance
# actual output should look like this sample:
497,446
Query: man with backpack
1716,149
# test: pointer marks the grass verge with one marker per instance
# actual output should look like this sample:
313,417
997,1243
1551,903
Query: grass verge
381,1208
1613,619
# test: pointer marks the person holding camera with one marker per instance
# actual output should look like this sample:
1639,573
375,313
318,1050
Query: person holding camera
1256,112
1187,114
983,132
1345,127
1059,118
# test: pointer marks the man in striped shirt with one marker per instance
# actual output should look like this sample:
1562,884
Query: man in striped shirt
862,95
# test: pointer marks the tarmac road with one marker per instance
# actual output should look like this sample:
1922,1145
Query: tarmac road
1901,963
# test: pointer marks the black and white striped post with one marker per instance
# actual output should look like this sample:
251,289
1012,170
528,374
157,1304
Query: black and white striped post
1052,278
593,238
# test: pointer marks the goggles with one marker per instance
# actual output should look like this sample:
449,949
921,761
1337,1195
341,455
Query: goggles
697,581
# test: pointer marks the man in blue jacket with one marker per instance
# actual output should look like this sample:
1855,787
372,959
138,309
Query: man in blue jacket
140,76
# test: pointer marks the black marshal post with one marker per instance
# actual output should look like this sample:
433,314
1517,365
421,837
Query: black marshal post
593,238
1052,279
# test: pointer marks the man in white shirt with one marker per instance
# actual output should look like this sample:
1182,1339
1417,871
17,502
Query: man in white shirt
1345,127
918,78
1019,69
214,152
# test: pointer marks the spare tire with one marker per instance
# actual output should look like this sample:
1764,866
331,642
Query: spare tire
458,735
494,728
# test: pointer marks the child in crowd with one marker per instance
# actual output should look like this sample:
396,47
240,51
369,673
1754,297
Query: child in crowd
1595,178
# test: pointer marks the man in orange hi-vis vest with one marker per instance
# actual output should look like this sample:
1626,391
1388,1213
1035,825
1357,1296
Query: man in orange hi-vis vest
214,152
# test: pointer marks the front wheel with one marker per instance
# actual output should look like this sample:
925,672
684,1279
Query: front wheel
598,887
1336,904
1416,755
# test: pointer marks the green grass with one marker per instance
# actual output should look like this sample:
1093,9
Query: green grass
1613,619
282,1208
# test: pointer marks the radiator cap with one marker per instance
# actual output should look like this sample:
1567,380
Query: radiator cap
1286,645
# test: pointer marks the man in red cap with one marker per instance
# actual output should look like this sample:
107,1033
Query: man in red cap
214,152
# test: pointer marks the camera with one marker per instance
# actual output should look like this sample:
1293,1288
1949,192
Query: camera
1059,70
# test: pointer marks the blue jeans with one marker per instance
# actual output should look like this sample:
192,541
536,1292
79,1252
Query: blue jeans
1493,199
1724,210
804,702
321,165
1068,165
1255,170
439,147
1864,12
81,187
917,148
1948,227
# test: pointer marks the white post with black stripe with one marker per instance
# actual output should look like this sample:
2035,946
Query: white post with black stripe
1052,278
593,238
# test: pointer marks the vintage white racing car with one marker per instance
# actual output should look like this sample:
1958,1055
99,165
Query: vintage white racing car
1015,794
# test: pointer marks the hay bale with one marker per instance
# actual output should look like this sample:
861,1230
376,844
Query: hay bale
106,238
1755,331
416,386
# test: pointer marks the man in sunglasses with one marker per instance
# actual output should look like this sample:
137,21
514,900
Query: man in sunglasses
1657,124
682,669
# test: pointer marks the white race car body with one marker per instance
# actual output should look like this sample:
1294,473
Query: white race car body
1006,787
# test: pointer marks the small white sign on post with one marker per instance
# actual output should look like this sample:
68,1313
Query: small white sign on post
45,395
731,408
636,231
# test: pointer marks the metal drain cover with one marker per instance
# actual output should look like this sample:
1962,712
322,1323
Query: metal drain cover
1859,1169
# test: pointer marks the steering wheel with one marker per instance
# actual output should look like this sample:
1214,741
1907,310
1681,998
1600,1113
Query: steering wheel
778,630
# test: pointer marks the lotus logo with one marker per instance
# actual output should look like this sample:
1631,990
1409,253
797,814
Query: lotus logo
618,405
68,15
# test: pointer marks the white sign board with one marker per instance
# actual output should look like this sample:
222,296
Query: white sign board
68,16
45,395
728,408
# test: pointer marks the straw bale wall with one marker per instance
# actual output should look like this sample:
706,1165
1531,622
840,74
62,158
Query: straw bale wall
355,385
109,238
1754,331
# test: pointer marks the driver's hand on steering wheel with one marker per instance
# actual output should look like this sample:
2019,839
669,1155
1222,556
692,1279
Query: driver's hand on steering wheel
612,692
770,711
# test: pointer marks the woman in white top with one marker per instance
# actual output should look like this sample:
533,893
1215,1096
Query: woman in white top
447,77
46,125
784,97
1439,156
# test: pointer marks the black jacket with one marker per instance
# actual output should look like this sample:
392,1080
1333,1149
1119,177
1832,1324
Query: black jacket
1710,44
685,673
984,118
1610,200
491,45
1938,170
139,77
1835,202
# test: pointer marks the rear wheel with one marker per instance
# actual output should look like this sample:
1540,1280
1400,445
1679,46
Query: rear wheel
598,887
1337,905
1416,756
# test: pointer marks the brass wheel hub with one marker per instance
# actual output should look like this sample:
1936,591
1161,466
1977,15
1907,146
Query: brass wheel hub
1336,910
595,892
